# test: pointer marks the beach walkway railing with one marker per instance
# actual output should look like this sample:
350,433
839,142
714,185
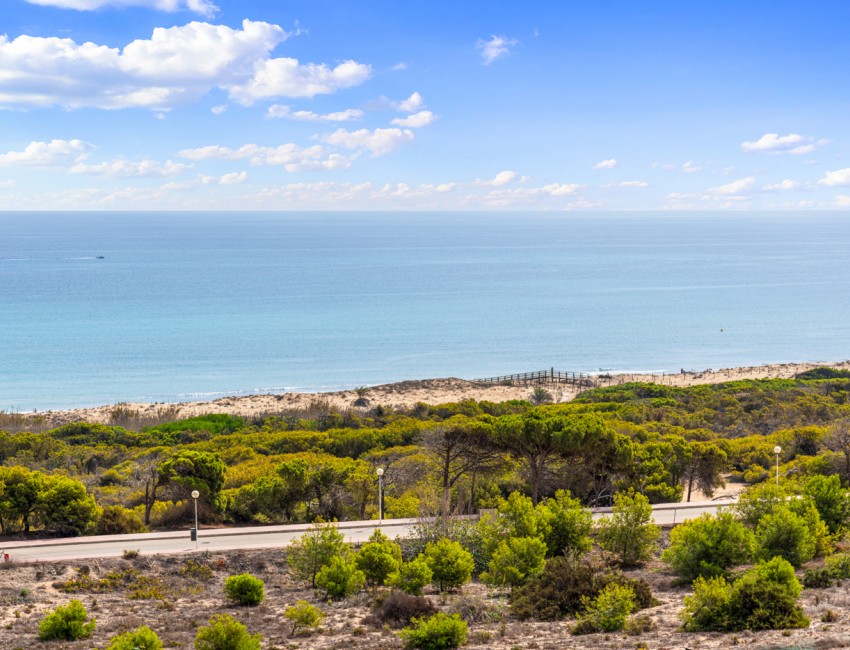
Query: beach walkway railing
550,376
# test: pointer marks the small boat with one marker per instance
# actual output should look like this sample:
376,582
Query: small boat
100,257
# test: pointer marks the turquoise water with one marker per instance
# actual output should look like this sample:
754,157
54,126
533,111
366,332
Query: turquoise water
196,306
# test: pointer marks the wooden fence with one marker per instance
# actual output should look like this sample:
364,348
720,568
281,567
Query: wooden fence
550,376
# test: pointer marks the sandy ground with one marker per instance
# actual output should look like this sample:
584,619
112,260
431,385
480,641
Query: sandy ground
409,393
185,600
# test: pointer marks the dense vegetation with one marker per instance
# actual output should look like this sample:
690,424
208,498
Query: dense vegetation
537,468
661,442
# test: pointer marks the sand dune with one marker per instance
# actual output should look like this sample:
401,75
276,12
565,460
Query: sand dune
409,393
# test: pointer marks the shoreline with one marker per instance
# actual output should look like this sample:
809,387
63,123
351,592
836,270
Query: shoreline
403,394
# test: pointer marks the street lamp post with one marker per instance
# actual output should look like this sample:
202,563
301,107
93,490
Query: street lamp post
777,450
195,495
380,473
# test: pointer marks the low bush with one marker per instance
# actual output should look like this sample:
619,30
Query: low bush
785,534
819,578
398,609
763,598
608,611
629,532
117,520
709,546
67,623
412,576
839,565
564,585
515,561
341,578
142,638
303,617
450,564
245,589
379,558
640,624
226,633
439,632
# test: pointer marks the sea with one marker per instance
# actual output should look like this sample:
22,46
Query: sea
100,307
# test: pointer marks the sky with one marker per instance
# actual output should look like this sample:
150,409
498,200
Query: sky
386,105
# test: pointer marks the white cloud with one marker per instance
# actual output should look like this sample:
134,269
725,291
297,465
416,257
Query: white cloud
735,187
176,65
7,183
401,65
218,110
611,163
634,184
378,142
836,178
502,178
202,7
292,157
842,201
416,121
286,77
410,104
282,111
47,154
129,169
793,143
509,196
496,47
691,168
233,178
783,186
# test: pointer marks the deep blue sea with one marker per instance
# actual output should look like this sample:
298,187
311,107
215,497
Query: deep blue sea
200,305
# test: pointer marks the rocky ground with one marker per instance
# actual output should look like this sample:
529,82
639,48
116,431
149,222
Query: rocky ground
181,593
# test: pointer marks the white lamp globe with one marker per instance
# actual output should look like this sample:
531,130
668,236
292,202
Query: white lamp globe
379,471
777,449
195,494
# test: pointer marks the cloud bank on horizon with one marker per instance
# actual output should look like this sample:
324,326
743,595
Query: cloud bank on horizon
194,104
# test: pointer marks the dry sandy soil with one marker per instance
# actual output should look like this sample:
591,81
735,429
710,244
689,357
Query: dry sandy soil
409,393
187,600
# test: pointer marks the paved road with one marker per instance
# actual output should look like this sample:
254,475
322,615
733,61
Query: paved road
222,539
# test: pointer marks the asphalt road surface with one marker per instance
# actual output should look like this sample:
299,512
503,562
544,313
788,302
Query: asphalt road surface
222,539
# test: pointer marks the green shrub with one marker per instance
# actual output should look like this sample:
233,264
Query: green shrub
839,565
439,632
66,623
831,500
142,638
565,586
313,550
117,520
783,533
515,561
450,564
629,533
412,576
245,589
567,525
226,633
753,504
304,616
378,558
709,546
608,611
341,578
819,578
398,609
637,625
763,598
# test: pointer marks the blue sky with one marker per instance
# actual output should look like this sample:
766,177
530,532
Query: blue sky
320,104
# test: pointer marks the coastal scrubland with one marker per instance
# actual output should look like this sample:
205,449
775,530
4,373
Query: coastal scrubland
775,562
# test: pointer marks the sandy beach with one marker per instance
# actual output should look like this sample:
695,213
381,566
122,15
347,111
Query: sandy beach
405,394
